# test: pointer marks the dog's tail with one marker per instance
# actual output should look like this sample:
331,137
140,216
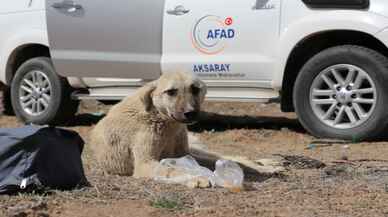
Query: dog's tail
208,159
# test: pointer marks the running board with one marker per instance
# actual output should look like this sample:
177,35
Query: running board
230,94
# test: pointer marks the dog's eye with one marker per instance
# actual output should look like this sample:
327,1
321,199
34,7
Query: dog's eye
195,90
172,92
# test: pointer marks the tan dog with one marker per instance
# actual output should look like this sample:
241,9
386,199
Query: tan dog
151,125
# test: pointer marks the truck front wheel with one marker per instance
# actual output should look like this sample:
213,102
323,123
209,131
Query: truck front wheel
342,93
39,95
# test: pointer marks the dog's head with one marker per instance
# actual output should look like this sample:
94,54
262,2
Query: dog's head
177,96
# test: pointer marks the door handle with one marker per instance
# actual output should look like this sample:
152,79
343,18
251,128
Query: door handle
178,11
70,6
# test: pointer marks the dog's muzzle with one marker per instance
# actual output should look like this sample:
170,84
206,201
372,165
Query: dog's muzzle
191,116
188,117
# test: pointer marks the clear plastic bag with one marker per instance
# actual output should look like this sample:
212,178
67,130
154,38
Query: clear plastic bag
228,174
187,167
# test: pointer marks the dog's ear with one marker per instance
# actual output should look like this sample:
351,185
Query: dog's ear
146,95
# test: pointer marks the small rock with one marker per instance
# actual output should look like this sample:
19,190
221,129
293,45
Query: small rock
345,152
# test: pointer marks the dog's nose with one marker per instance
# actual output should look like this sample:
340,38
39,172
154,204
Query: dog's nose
191,115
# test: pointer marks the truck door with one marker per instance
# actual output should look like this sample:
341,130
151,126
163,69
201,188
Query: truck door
100,38
225,41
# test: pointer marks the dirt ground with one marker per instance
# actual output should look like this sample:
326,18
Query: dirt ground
356,187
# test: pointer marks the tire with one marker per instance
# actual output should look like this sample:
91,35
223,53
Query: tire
364,77
53,104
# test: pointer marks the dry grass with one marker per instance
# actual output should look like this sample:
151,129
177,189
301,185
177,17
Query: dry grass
357,188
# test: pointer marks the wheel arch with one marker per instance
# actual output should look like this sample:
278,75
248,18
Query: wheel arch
312,45
25,43
22,53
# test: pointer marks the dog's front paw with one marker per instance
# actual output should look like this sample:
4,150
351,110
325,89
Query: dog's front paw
199,182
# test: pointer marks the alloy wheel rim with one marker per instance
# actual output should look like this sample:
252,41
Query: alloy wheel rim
35,93
343,96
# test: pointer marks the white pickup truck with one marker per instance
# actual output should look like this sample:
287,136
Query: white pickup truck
324,59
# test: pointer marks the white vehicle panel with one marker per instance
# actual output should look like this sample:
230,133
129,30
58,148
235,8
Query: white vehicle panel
24,23
17,6
299,22
222,40
379,7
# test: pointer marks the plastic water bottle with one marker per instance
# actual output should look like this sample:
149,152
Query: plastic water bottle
229,175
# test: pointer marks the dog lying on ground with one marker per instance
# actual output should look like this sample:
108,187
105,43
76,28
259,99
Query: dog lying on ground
151,125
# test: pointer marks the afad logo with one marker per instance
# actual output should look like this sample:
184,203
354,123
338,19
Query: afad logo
211,33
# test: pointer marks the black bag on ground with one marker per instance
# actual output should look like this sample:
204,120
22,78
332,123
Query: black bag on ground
35,158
